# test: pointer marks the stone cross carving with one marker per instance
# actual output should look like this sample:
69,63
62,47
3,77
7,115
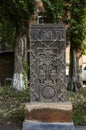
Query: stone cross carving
47,63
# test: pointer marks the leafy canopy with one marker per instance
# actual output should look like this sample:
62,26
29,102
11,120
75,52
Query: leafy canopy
14,15
17,11
7,33
54,10
77,20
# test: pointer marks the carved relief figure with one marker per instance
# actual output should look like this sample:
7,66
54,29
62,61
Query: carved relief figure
47,69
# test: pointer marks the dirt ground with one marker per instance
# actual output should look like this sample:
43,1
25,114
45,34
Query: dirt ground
10,124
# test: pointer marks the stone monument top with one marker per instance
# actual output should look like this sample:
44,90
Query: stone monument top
47,63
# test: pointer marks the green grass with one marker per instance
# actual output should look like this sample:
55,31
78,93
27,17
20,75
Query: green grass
79,106
11,104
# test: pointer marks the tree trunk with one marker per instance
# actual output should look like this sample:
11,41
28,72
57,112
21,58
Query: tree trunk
75,70
79,70
20,75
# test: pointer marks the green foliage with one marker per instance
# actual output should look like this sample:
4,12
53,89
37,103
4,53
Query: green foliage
17,11
7,33
54,10
84,48
79,106
77,21
11,102
14,15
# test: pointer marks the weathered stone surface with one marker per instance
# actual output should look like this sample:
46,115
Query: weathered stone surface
47,63
27,125
49,112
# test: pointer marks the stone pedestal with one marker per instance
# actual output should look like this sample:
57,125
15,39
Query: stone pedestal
47,126
48,116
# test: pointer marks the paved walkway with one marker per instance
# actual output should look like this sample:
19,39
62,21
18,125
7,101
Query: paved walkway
14,127
80,127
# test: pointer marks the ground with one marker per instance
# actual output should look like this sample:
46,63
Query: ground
10,124
11,108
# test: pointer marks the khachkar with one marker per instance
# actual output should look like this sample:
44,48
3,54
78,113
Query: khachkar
48,108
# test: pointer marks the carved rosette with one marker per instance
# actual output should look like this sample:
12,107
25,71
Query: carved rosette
47,63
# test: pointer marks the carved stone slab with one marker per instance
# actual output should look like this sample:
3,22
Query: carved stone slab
47,63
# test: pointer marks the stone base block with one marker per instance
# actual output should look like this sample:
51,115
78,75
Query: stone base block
49,112
27,125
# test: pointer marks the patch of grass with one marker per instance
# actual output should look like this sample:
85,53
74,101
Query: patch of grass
11,102
79,106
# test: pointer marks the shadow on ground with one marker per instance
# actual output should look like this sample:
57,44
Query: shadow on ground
11,124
